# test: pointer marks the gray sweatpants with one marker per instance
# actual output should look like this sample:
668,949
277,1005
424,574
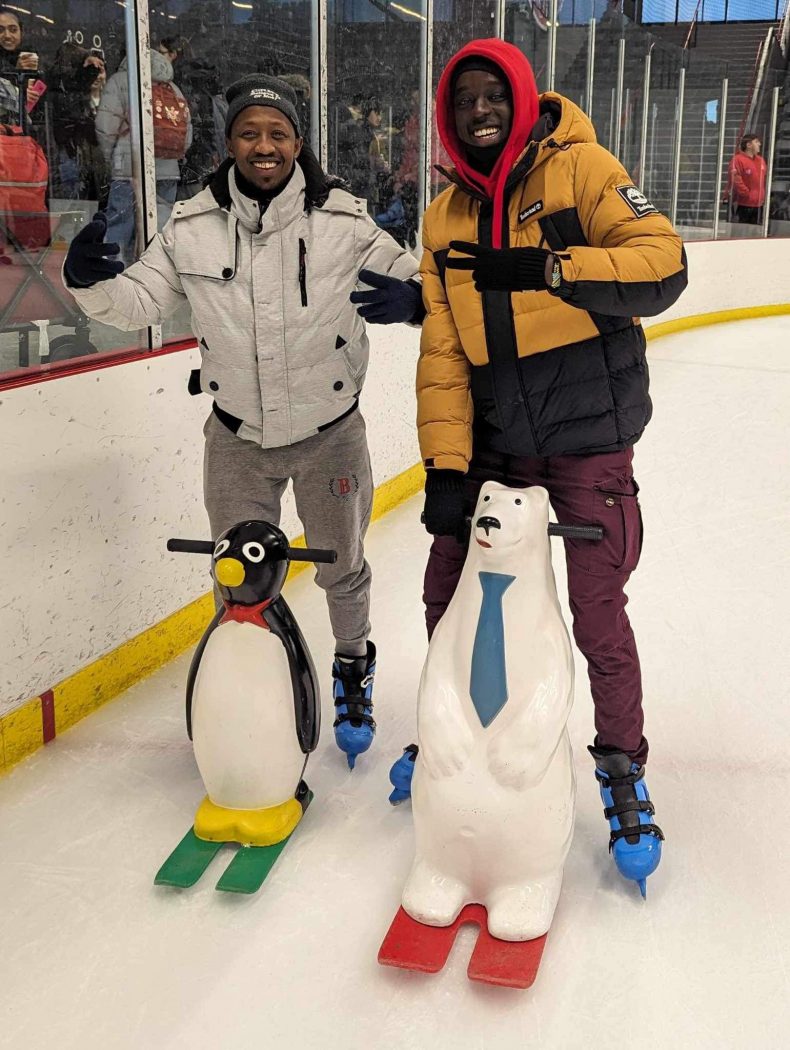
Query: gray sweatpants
333,488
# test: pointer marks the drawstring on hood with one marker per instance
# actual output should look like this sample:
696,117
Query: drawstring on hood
524,94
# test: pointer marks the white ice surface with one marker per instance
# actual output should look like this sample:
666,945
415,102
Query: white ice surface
92,955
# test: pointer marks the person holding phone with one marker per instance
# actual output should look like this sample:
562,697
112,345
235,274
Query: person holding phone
77,78
15,59
12,54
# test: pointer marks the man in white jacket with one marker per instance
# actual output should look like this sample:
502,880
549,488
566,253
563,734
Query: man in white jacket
268,257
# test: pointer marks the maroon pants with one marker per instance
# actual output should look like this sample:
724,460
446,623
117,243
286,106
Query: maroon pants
583,490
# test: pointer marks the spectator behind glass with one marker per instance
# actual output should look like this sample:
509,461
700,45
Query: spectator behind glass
377,158
172,134
77,80
14,58
172,48
399,216
747,181
301,86
12,54
352,148
360,159
9,102
200,82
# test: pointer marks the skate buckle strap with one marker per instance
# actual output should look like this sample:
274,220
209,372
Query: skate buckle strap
635,831
615,782
357,715
637,806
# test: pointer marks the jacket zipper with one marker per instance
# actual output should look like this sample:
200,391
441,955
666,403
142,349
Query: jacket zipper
303,271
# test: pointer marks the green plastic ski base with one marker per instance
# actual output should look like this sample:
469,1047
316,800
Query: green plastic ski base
188,861
246,873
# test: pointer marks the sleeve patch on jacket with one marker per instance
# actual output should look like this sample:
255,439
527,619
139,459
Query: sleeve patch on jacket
637,201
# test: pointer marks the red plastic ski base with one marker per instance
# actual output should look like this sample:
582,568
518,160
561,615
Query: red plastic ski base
411,945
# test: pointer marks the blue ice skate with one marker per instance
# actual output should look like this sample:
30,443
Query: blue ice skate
401,774
353,692
627,806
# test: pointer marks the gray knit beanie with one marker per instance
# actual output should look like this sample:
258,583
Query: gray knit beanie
257,89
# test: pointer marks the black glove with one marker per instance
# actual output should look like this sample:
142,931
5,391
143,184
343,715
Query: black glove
86,261
502,269
444,503
390,300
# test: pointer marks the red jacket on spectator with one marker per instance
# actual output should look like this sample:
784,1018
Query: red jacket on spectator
747,180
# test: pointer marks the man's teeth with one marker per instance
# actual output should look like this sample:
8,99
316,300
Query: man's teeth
264,165
486,133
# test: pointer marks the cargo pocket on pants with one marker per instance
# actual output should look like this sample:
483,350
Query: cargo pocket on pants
621,517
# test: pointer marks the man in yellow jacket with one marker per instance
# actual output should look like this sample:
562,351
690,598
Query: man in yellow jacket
537,263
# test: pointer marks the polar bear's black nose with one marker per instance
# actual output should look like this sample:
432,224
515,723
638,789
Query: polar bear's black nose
488,523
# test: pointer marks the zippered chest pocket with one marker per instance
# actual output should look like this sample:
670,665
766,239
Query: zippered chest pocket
303,271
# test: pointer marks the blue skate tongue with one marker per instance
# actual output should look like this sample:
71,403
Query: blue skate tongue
488,681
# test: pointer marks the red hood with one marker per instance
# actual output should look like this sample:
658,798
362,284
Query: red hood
524,92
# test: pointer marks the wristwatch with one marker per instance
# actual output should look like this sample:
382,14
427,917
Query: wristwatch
556,274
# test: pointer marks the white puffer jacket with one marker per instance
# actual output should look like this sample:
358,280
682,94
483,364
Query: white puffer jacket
284,351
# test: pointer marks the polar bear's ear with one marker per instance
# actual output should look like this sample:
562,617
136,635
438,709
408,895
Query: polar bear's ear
539,497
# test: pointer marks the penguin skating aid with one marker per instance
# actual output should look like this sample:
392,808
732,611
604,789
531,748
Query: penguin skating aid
253,712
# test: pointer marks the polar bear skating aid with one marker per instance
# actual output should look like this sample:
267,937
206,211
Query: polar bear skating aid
492,782
494,789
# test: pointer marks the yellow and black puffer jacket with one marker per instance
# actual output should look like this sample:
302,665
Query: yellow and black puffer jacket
545,373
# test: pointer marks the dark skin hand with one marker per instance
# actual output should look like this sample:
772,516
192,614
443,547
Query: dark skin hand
483,109
265,146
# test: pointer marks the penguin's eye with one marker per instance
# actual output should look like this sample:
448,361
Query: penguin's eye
518,502
221,547
253,552
486,499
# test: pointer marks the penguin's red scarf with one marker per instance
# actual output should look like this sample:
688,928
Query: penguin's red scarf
247,614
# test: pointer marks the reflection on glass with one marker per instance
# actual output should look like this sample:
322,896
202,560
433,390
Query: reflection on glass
752,10
699,147
527,26
572,60
374,107
64,88
454,26
55,72
210,45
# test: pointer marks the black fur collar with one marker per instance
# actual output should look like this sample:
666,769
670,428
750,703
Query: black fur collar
318,184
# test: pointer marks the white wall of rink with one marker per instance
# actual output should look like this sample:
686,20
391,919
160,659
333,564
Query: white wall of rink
730,275
100,468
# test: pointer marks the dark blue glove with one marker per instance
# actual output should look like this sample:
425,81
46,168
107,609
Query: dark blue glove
87,260
390,301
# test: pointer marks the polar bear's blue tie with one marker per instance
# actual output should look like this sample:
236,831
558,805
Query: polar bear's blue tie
488,682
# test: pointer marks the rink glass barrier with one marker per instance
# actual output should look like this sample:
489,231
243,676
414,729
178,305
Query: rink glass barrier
77,78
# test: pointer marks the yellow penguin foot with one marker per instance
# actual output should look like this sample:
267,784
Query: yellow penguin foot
250,827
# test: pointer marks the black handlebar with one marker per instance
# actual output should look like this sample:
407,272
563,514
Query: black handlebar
312,554
576,532
190,546
568,532
294,553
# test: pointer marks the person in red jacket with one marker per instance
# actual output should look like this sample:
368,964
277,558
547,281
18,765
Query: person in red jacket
747,181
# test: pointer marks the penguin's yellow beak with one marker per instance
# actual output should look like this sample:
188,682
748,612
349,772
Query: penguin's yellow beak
229,572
